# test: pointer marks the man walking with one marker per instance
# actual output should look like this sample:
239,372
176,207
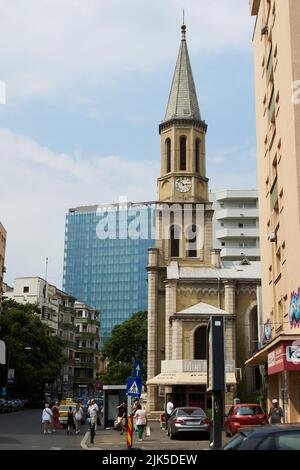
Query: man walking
93,411
275,415
169,411
47,418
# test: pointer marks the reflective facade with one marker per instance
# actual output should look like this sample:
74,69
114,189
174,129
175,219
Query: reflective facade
108,273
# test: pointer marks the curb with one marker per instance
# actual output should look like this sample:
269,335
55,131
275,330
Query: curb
83,443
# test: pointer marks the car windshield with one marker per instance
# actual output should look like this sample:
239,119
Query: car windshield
235,442
190,412
249,410
66,407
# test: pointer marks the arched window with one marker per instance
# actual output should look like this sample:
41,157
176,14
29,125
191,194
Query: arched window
182,142
174,237
168,155
200,343
191,241
197,155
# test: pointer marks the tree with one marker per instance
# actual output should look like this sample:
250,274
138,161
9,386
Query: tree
36,357
127,343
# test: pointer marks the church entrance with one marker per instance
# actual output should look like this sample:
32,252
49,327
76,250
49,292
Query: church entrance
188,395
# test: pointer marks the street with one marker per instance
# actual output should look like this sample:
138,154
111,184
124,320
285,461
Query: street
22,430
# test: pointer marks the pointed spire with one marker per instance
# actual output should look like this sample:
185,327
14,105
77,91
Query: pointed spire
183,102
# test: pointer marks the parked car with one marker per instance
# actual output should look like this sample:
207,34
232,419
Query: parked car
269,437
2,406
244,415
187,420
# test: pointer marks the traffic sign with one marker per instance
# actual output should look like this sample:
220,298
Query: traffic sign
137,368
4,392
134,386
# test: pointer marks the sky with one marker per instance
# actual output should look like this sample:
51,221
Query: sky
87,85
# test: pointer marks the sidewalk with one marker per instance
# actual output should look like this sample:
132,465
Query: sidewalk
110,439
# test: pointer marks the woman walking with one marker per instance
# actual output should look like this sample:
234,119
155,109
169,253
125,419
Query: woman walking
55,412
70,421
141,421
78,417
47,417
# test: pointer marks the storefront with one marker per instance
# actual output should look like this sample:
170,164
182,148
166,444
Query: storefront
283,379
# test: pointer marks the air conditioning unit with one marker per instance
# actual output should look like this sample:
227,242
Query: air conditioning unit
273,237
264,29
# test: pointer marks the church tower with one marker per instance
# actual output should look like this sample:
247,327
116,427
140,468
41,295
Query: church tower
183,180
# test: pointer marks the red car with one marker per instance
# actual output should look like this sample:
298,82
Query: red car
244,415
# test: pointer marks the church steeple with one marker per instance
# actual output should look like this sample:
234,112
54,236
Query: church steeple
183,168
183,102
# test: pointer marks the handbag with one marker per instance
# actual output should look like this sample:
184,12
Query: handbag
148,431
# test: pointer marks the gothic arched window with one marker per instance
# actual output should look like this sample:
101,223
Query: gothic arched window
191,242
200,343
168,155
182,142
174,238
197,155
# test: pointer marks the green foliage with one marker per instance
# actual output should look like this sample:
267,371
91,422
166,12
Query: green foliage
41,362
127,343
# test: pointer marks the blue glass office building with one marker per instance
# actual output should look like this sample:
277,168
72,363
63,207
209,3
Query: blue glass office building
105,259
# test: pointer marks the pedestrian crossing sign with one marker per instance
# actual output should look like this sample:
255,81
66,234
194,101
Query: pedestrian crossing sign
134,387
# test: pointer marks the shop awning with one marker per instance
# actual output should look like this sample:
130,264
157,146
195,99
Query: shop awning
186,378
261,356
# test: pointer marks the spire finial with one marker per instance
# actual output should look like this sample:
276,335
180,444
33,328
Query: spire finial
183,27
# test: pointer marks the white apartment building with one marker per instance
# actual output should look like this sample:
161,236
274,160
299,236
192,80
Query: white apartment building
236,224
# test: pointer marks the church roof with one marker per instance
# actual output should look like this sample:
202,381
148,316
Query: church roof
183,102
203,309
229,270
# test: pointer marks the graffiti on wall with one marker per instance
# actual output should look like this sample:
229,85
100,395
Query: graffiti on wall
267,331
295,309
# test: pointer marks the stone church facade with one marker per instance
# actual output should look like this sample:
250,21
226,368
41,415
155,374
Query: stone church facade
187,281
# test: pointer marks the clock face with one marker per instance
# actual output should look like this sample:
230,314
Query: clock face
183,185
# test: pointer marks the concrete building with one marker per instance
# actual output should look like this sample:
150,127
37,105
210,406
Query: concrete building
276,43
187,281
104,263
235,224
58,312
87,322
2,256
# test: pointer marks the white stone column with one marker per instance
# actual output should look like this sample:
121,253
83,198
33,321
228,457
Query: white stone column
229,297
152,323
170,310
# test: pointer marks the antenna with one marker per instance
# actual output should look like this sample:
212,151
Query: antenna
182,16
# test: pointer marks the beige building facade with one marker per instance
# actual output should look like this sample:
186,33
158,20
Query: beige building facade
2,257
187,280
276,43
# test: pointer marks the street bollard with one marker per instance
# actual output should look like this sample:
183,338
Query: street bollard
129,432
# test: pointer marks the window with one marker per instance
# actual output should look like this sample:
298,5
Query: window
182,141
168,155
288,441
192,242
174,237
200,343
25,289
197,155
223,243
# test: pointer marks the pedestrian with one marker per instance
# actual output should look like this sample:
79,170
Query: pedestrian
55,412
93,411
141,421
70,420
122,417
168,411
78,415
47,417
275,415
134,409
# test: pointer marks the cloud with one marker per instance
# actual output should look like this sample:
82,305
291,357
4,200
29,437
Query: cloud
51,46
37,188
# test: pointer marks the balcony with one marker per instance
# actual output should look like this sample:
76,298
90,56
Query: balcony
271,108
238,233
241,195
239,252
270,66
199,366
237,213
274,195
